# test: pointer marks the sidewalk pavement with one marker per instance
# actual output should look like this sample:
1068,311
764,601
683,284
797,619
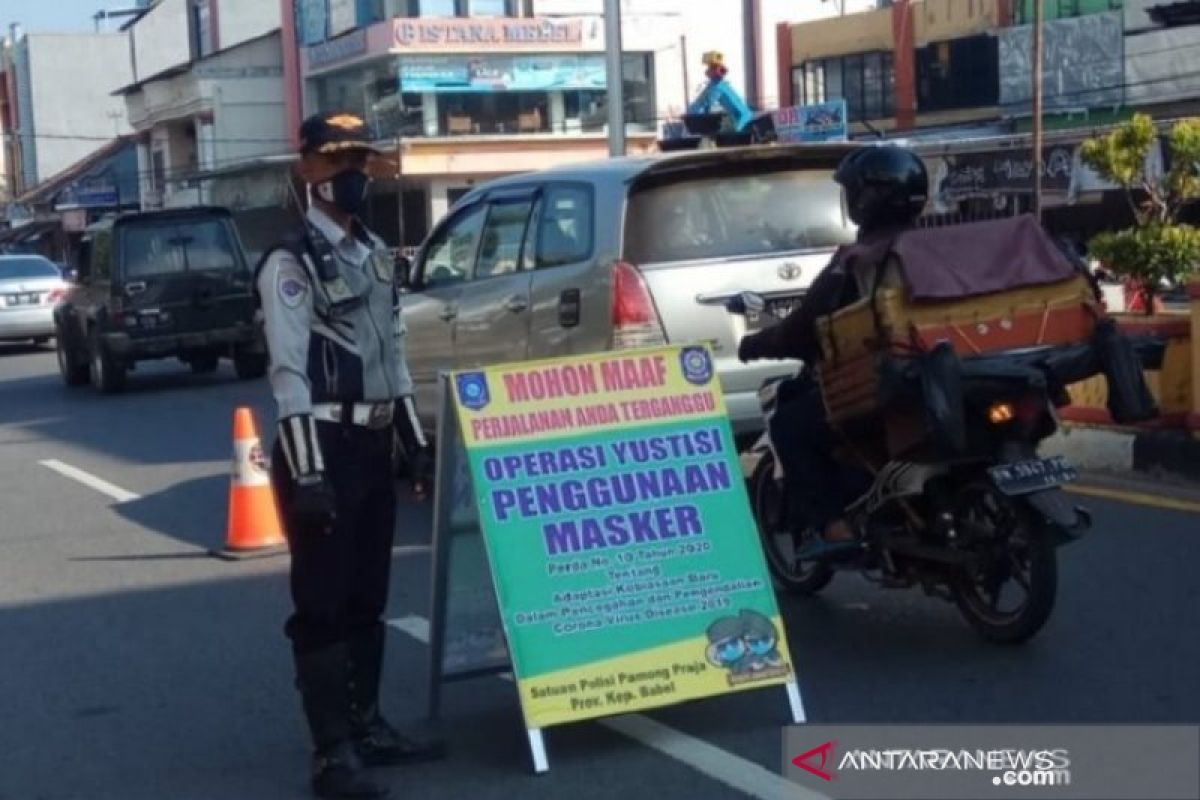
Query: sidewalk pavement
1152,453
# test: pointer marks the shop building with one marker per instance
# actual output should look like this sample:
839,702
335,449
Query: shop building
464,91
954,79
207,93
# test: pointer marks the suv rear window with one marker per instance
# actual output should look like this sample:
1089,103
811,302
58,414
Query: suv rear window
736,215
172,247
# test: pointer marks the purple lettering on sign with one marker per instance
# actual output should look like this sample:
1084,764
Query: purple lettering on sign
600,493
572,536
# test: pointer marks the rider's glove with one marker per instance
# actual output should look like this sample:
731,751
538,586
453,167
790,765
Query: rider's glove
748,349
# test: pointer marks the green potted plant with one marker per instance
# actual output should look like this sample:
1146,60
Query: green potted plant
1158,249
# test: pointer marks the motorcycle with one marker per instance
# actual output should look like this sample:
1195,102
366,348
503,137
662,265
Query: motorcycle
972,515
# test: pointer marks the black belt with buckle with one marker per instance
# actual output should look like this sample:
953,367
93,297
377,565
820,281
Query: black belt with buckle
379,415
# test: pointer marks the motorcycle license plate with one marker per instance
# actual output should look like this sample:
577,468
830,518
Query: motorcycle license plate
1026,477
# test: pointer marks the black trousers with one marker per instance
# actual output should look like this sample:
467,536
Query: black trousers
804,443
339,580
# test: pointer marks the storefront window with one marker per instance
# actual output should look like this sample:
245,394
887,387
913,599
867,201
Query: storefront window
834,87
200,23
872,102
852,85
370,11
343,91
439,8
638,71
495,113
490,8
867,82
584,111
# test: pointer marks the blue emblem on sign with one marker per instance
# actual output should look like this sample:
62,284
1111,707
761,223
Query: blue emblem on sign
697,366
473,390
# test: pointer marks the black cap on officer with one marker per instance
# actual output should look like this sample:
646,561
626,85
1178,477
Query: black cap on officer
333,133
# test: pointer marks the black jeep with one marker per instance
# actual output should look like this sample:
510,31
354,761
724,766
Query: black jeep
158,285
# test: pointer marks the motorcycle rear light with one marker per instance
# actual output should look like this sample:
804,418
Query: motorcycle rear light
1001,413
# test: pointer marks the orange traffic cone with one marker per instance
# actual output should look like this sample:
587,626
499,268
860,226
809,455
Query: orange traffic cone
254,527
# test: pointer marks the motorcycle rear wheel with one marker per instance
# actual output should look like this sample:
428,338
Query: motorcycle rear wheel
769,502
1019,552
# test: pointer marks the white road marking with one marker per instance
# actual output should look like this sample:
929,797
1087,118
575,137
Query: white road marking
91,481
411,549
732,770
416,627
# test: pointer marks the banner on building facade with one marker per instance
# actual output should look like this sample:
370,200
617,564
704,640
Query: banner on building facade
819,122
1083,64
502,73
1005,172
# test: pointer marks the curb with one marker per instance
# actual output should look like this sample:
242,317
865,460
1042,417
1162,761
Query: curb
1153,452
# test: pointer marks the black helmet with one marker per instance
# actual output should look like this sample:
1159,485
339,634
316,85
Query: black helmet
884,186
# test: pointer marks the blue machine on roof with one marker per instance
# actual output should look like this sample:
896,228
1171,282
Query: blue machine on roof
718,92
705,117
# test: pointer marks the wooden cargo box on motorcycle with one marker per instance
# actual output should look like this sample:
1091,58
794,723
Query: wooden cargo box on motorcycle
983,288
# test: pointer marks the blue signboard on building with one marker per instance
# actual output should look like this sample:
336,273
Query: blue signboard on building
820,122
502,73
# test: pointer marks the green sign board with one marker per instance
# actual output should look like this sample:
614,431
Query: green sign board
624,556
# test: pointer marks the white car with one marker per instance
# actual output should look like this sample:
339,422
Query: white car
30,287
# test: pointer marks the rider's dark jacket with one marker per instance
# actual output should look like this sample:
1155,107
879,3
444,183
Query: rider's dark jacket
847,278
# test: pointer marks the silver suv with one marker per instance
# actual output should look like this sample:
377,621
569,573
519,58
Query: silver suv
625,253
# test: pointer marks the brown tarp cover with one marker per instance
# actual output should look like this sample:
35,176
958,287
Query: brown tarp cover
973,259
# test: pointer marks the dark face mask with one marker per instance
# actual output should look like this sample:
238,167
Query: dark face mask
347,190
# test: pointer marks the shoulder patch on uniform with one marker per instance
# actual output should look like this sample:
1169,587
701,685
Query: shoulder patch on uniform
291,285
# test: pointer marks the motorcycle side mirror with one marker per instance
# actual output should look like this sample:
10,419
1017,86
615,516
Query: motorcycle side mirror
745,303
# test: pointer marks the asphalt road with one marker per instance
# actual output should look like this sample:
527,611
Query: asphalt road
135,667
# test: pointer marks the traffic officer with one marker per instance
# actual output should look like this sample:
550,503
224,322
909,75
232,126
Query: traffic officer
333,328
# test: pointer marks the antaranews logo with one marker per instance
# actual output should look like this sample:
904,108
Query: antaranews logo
1009,767
823,752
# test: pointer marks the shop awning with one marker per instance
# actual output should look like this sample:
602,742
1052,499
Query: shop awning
45,191
29,232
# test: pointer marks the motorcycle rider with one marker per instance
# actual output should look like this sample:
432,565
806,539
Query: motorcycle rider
885,190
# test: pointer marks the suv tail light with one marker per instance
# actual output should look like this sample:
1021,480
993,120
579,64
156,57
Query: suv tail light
635,319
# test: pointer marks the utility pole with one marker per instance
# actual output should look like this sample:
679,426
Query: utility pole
1037,108
615,78
400,236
